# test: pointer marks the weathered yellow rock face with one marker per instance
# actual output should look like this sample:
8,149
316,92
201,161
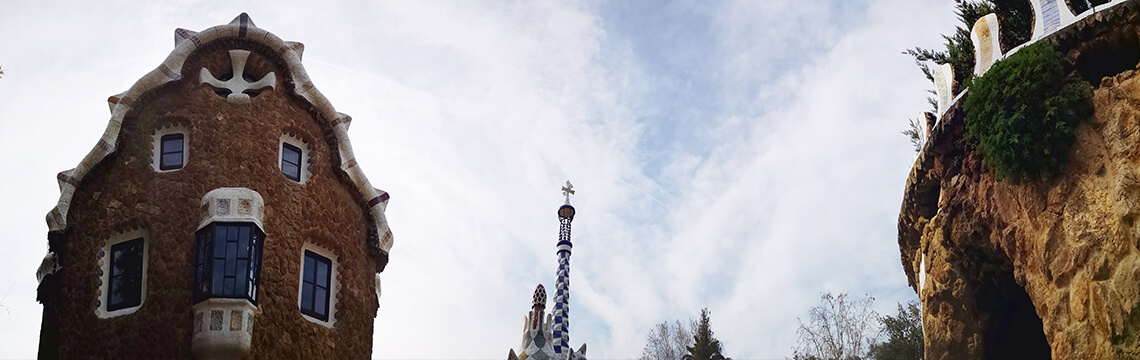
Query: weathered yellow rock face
1043,269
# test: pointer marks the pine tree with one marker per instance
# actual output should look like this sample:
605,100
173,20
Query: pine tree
904,335
705,345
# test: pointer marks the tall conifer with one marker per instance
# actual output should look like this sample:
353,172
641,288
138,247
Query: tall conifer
705,345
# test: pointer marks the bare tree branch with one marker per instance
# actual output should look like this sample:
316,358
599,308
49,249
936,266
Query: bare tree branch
668,341
837,329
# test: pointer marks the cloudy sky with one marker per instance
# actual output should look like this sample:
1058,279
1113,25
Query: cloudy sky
742,156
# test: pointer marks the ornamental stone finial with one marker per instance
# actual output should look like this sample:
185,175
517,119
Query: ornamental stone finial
237,85
539,298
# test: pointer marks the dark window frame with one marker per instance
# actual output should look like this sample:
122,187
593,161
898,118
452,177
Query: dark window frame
240,275
300,160
163,151
311,286
132,295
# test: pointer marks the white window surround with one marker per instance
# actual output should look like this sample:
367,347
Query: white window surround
305,155
334,282
104,262
156,146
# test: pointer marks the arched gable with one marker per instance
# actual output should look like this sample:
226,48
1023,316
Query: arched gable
171,69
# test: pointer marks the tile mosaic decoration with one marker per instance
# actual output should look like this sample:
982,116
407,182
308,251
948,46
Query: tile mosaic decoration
215,320
987,48
223,207
539,298
562,304
166,71
539,339
245,206
181,35
943,77
1050,15
235,320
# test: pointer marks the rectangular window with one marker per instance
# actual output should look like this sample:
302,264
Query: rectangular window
291,161
317,274
171,155
228,263
124,287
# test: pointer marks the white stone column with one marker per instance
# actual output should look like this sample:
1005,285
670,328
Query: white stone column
987,48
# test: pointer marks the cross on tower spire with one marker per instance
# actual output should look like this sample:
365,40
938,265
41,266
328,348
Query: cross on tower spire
567,191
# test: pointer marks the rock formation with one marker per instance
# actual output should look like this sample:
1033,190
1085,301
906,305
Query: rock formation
1048,268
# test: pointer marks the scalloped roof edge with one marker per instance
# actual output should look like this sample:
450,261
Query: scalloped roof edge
170,70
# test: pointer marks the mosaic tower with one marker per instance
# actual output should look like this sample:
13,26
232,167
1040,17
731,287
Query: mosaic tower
550,340
562,294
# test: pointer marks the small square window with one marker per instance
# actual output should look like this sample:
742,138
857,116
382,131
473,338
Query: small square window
291,161
171,152
317,275
124,288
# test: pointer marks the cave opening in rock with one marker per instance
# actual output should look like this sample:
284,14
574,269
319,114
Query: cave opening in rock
1109,57
1012,329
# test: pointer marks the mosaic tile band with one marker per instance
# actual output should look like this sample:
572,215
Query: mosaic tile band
562,294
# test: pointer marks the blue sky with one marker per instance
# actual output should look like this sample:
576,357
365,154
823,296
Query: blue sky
743,156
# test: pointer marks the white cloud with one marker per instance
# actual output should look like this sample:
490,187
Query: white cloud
806,201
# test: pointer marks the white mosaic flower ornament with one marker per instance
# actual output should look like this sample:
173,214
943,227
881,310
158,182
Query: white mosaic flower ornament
237,85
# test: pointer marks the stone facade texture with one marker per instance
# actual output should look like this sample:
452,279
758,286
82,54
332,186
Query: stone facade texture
1060,256
231,146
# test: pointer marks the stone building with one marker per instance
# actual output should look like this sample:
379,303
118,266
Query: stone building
547,337
1050,267
221,215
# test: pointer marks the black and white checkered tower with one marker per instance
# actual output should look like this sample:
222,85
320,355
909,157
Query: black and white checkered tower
562,295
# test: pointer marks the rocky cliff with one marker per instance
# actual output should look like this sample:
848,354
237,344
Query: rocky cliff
1048,268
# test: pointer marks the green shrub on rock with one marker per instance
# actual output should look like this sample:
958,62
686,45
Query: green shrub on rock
1021,114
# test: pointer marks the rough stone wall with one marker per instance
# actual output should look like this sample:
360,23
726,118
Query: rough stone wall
231,146
996,262
1071,242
